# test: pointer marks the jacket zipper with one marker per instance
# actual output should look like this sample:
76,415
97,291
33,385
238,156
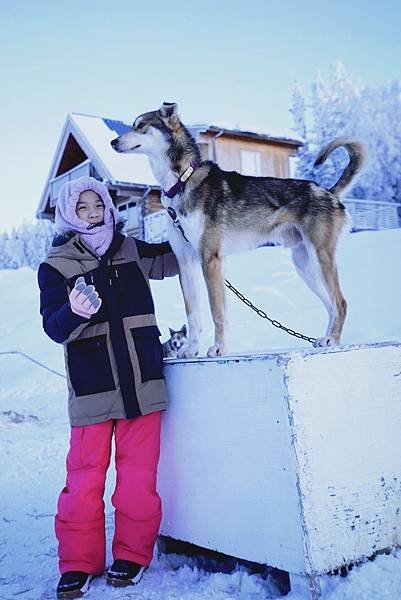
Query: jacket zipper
98,259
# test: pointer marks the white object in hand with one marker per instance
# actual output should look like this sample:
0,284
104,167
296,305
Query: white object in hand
84,299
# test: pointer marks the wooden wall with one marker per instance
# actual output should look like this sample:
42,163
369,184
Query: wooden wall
274,156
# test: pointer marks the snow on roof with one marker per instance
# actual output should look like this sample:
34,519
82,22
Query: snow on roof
121,168
134,168
94,134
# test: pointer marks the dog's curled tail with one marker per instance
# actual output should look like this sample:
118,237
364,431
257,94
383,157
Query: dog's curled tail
356,160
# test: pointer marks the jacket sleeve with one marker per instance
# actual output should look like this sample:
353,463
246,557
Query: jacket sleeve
59,321
158,259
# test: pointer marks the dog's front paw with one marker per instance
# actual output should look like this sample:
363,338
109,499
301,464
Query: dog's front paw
326,341
216,350
188,351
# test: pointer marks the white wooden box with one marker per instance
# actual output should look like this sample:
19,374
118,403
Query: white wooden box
291,459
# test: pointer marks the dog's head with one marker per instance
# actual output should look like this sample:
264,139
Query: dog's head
151,132
178,338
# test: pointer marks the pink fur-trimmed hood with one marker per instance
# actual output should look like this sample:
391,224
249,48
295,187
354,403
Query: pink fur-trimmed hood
66,219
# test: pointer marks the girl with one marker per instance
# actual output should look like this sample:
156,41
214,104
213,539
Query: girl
95,299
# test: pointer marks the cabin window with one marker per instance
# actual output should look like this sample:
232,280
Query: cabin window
130,212
293,165
250,162
155,227
204,150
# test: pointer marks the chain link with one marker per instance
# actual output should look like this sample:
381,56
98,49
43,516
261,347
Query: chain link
262,314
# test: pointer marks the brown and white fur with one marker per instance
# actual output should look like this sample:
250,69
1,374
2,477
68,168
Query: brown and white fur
224,212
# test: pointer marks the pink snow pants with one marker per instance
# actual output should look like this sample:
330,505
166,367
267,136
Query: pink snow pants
80,521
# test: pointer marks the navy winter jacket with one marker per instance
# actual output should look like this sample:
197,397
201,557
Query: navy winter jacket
114,359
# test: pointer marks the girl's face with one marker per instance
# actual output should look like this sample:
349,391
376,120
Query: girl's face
90,207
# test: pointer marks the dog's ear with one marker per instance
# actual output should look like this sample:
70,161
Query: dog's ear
172,332
184,329
169,112
169,109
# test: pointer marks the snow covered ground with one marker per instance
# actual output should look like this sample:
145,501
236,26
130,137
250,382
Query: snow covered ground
34,427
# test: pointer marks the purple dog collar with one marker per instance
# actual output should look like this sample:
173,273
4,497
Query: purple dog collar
177,187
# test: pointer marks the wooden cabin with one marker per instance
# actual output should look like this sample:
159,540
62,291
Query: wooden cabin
84,149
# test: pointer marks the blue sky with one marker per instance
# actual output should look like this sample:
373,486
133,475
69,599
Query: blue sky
224,62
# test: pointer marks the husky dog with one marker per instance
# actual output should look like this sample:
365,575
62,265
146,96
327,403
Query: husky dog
215,213
177,341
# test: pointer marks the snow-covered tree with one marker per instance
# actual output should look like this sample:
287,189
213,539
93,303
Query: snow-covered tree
305,160
341,106
4,262
27,245
38,241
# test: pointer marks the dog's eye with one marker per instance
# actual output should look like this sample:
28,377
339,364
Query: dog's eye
140,126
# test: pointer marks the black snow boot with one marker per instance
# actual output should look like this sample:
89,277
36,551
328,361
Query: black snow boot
124,572
73,584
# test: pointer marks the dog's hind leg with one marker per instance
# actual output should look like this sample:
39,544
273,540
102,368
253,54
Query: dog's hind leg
308,269
213,274
316,266
339,305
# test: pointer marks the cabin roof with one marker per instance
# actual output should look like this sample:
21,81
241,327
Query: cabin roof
241,133
120,168
125,168
93,135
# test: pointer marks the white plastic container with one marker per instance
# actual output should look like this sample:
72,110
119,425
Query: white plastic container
291,459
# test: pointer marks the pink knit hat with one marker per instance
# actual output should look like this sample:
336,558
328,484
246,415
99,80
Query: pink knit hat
66,219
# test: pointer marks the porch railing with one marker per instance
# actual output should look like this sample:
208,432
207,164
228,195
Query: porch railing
372,214
366,215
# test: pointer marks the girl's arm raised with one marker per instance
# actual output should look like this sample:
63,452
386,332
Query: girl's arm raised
160,259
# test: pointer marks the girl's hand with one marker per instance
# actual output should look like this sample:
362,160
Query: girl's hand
84,299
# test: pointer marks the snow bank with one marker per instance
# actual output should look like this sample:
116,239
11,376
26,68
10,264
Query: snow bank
34,428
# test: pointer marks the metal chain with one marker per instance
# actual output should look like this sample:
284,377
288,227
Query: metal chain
230,286
262,314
